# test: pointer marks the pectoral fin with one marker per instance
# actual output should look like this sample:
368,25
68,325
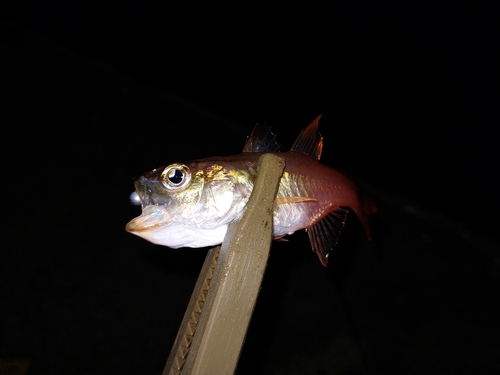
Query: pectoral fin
325,233
283,200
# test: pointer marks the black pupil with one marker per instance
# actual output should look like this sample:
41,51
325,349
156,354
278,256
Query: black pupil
175,176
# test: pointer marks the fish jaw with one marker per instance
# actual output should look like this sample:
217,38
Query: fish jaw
152,219
155,226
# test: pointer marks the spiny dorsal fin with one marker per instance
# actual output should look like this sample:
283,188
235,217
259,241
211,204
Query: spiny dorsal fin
261,140
325,233
309,141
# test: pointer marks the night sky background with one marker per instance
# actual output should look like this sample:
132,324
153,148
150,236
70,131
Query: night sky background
94,95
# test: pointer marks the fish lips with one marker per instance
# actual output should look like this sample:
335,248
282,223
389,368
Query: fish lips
152,218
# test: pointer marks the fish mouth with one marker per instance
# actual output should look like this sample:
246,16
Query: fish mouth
152,218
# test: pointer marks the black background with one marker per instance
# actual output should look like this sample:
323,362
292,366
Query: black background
95,95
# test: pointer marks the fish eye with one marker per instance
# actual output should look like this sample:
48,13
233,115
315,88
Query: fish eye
175,176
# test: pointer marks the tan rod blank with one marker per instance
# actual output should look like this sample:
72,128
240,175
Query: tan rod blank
213,329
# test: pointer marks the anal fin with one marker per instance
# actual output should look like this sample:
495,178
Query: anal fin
325,233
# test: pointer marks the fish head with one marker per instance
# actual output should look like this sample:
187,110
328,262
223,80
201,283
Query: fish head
189,204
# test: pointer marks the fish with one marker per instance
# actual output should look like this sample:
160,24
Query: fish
191,204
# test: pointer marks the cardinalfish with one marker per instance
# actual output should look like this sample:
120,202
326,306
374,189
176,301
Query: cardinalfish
191,204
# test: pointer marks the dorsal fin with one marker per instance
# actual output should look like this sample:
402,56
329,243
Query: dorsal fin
325,233
261,140
309,141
